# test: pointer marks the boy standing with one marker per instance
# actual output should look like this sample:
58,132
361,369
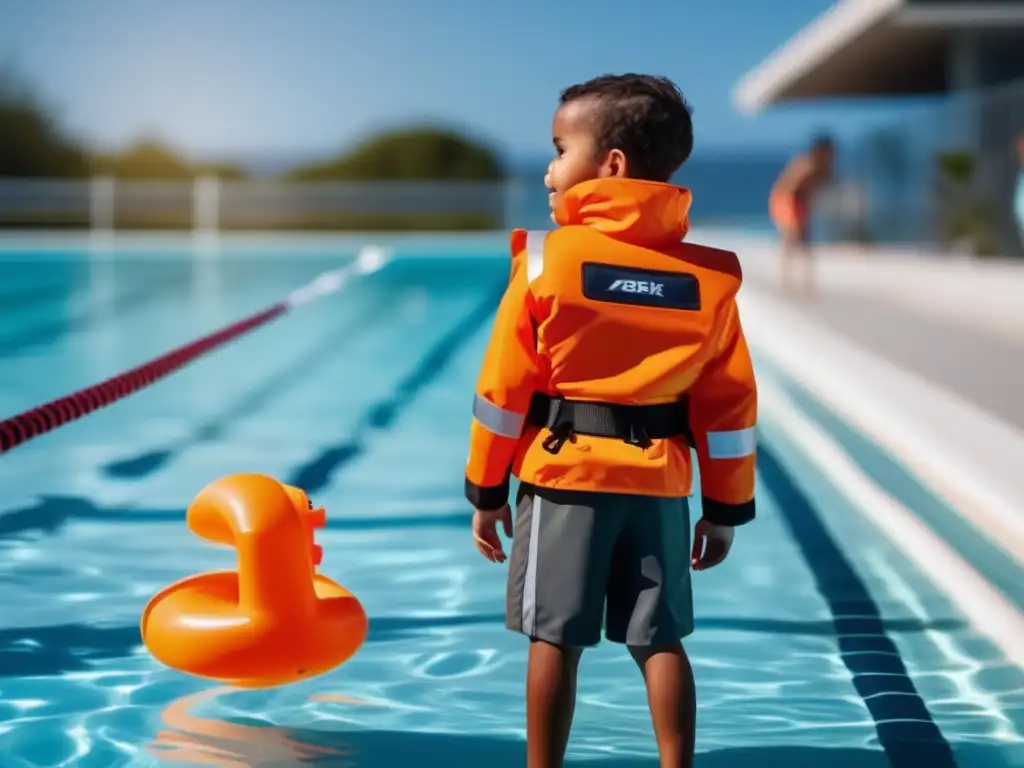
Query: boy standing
615,349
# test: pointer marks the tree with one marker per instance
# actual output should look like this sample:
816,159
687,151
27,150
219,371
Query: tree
149,158
421,153
32,144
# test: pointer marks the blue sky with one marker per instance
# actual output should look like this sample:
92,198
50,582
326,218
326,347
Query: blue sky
242,77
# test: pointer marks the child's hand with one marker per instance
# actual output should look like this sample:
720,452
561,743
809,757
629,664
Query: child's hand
485,532
711,544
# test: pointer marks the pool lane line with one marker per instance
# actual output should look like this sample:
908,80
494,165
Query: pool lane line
987,609
315,474
905,727
37,421
147,462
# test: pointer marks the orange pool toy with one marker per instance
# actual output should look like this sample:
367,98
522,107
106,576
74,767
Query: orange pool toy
274,620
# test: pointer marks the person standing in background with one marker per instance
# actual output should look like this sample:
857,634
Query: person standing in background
790,206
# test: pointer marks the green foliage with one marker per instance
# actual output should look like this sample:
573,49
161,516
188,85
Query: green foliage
965,218
413,154
956,168
146,159
150,159
32,144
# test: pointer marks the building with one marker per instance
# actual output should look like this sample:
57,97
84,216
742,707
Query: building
911,173
897,48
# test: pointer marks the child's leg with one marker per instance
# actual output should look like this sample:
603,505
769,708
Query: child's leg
650,608
671,695
558,571
550,702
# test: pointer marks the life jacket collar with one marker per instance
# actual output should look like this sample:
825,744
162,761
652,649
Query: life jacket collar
632,210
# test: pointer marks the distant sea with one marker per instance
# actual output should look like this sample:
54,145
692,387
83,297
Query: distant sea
727,189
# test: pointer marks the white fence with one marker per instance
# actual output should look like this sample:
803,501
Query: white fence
207,204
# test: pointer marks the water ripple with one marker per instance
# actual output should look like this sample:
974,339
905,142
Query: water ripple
438,662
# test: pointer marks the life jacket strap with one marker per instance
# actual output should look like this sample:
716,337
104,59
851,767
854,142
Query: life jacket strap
637,425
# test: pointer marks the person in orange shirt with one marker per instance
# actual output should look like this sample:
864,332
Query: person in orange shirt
789,205
616,348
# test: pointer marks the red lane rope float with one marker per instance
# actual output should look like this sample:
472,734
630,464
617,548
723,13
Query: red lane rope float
25,426
44,418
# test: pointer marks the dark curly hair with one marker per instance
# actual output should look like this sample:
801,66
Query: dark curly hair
644,116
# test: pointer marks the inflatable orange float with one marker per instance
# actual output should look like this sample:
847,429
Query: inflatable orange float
273,621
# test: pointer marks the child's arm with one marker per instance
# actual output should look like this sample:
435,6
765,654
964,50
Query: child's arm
507,381
723,408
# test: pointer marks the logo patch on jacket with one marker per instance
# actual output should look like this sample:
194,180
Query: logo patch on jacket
642,287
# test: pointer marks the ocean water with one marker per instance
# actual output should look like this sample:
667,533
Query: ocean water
729,191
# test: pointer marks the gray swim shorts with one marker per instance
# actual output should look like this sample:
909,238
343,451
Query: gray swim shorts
585,560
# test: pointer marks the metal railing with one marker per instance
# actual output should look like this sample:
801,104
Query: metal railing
208,204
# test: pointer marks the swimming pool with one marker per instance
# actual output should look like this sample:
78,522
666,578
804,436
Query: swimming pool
817,643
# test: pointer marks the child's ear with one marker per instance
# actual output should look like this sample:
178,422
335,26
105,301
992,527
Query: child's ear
615,164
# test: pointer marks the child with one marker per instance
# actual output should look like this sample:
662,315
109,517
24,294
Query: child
790,205
615,348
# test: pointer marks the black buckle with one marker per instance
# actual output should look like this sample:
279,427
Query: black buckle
566,419
560,435
638,436
561,431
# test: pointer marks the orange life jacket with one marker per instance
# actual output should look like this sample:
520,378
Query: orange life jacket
613,307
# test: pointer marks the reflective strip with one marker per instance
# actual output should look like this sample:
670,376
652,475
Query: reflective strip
732,445
497,420
529,615
534,254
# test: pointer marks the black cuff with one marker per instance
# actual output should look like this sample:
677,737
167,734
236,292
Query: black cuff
721,513
489,497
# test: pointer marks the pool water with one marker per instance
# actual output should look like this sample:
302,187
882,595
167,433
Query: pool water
817,643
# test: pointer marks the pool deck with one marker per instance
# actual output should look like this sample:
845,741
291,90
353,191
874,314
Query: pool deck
955,321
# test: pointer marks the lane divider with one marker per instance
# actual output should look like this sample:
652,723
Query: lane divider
37,421
971,458
985,607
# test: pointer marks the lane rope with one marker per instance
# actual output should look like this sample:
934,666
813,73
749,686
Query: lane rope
37,421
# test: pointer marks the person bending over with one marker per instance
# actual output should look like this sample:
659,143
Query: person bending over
790,208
